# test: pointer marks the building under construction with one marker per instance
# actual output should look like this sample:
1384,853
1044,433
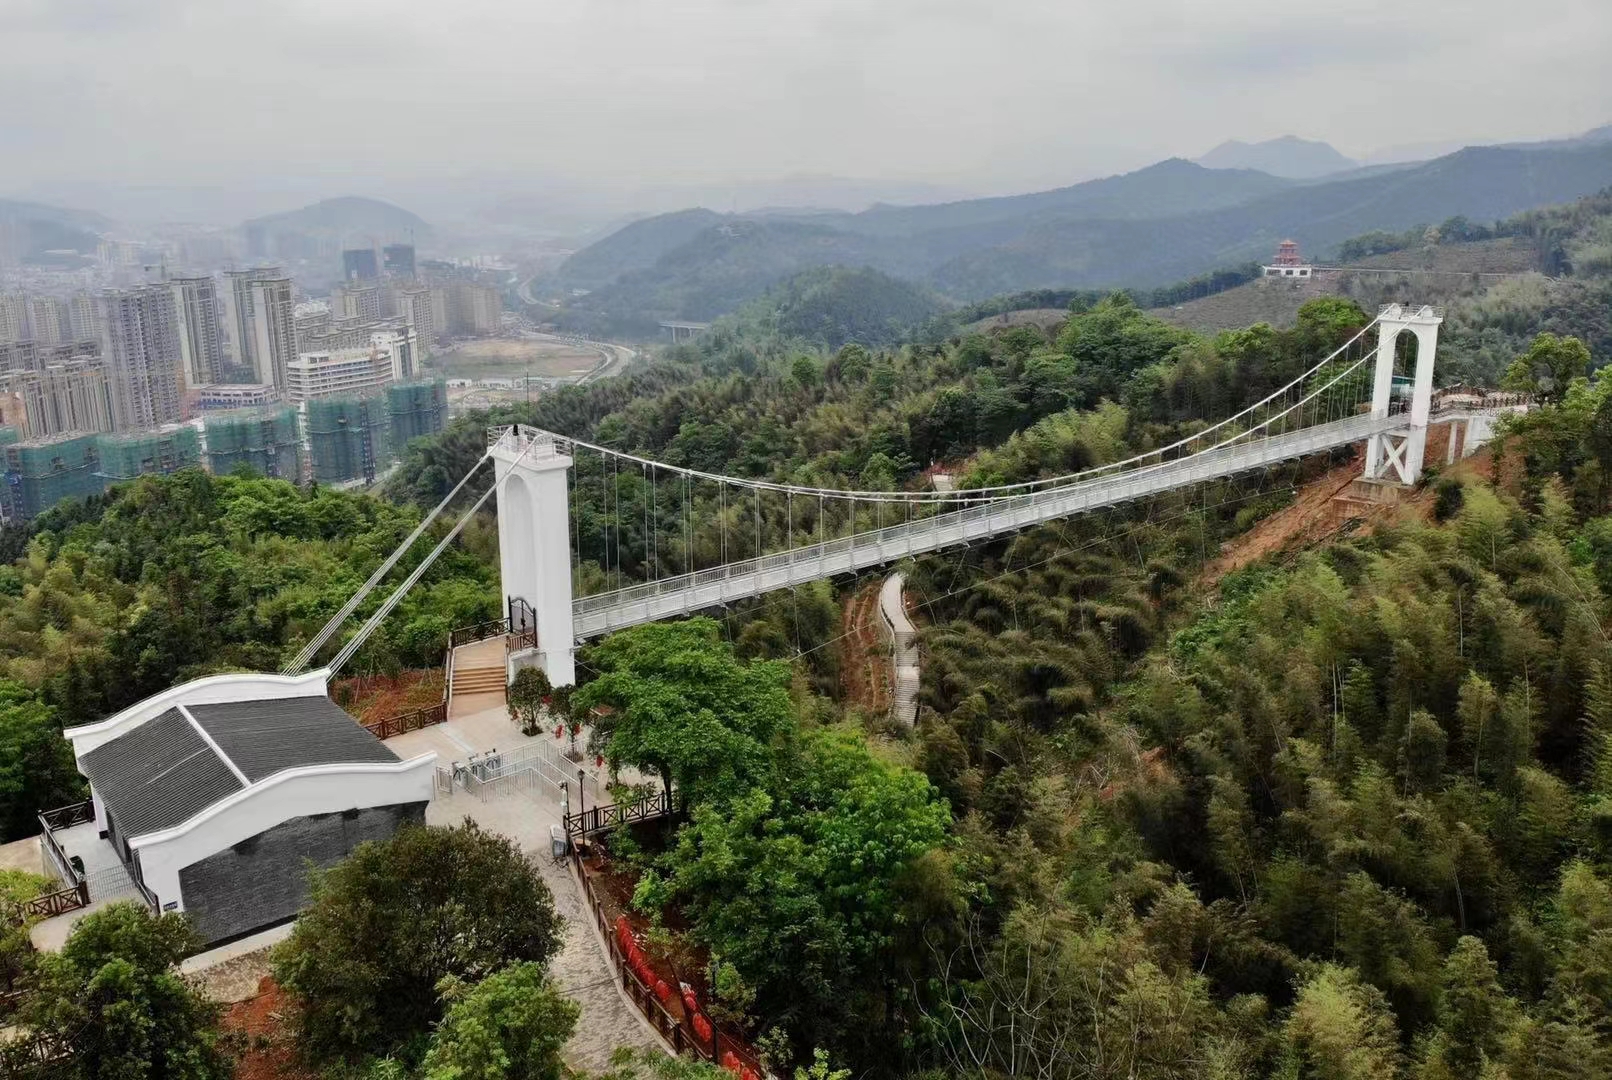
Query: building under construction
148,453
416,408
348,438
265,440
42,472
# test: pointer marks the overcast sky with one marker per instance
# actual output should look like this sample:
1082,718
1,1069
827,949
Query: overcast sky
269,101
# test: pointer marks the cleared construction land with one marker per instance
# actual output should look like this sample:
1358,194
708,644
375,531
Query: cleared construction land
514,358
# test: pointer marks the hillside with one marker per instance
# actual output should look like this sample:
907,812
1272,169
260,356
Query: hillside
637,245
349,216
1163,224
715,272
1481,183
28,229
1289,156
1435,274
830,306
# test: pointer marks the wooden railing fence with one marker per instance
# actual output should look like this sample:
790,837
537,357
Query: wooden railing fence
75,891
598,819
410,721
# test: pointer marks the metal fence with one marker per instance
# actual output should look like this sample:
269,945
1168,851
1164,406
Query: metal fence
536,768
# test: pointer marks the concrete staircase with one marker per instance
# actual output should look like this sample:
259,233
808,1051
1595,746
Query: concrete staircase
478,680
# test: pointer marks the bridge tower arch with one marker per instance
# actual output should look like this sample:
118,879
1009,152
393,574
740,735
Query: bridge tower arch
534,545
1396,455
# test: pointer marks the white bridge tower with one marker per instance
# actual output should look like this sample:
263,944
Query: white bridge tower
534,545
1396,455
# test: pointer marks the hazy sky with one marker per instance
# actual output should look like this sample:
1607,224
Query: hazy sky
273,100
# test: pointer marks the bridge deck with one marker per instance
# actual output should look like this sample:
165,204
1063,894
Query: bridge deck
687,593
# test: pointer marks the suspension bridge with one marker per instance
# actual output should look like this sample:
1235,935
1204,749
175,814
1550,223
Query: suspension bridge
593,539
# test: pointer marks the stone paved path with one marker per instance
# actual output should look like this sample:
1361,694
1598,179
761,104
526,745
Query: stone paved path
584,975
580,968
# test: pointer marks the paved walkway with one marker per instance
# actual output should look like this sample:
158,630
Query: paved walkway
903,647
580,967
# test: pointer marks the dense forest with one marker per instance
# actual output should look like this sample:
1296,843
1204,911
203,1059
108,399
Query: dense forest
1344,814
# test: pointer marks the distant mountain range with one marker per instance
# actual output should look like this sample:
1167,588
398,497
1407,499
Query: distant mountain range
350,217
1155,226
1288,156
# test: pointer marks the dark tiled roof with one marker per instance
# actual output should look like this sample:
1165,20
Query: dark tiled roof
158,775
265,737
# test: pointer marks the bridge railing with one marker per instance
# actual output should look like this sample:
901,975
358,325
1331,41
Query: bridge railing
1116,488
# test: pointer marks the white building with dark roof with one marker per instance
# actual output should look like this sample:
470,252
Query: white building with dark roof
215,795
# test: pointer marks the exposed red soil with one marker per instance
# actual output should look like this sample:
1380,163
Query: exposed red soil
264,1022
864,654
379,697
1324,508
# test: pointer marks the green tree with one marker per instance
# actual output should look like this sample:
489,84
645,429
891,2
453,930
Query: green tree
510,1026
16,887
114,993
529,693
685,708
37,771
387,925
802,890
1474,1013
1548,367
1421,752
1339,1029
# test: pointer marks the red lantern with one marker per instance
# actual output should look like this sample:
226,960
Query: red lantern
730,1062
663,993
749,1074
702,1028
598,761
559,730
690,1002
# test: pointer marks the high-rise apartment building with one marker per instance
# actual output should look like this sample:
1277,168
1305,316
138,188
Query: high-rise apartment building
49,320
473,309
362,302
312,321
398,259
274,329
140,343
85,317
14,317
414,308
239,321
358,264
439,312
388,356
63,393
201,330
